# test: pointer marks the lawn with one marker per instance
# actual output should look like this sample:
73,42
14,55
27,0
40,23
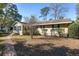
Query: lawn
40,45
67,42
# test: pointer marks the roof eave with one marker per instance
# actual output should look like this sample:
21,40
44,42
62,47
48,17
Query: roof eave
52,23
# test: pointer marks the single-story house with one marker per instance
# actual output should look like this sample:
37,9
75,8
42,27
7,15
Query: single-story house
18,27
49,25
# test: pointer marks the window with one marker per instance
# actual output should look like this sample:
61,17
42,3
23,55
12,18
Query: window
44,26
52,26
19,27
55,26
40,26
58,25
15,28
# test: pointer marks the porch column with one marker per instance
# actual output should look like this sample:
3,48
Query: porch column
21,30
6,28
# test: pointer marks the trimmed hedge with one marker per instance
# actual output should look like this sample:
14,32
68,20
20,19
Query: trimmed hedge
74,30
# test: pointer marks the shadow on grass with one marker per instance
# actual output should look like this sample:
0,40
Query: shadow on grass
43,50
1,45
46,49
1,49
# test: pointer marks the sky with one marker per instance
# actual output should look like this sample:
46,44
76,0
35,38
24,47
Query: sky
28,9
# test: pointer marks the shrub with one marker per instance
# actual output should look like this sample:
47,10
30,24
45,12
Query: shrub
74,30
34,30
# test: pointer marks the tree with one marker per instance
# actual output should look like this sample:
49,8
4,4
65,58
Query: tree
2,5
10,15
33,19
12,12
57,10
30,29
73,30
77,11
44,12
26,19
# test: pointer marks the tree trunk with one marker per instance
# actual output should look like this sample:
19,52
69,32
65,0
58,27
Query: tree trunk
31,32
